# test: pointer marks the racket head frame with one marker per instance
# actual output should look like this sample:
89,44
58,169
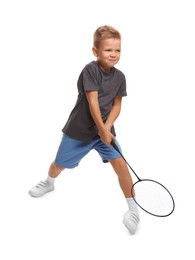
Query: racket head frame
153,214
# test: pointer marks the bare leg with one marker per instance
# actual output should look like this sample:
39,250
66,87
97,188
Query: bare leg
131,217
124,177
55,170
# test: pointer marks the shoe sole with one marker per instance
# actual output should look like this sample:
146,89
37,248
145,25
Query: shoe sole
40,195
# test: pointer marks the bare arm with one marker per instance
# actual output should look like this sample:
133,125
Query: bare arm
114,113
104,133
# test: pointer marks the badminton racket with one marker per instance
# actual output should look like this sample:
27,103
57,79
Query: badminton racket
150,195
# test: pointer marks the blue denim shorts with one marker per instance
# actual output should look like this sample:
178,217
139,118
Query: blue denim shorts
71,151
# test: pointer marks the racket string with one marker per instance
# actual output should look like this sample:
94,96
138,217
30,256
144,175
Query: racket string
153,198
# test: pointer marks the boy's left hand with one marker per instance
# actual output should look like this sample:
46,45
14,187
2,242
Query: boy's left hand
106,136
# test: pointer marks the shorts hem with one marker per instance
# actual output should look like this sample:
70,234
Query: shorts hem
108,160
66,167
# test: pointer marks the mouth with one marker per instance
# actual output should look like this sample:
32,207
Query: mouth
112,60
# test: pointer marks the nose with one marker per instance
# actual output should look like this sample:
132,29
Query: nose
113,54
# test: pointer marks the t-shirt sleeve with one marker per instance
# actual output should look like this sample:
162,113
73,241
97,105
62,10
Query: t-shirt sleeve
90,79
122,90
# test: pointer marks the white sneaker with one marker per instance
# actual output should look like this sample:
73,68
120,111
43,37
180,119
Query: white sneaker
131,221
41,188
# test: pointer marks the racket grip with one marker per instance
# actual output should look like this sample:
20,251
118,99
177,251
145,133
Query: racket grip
115,146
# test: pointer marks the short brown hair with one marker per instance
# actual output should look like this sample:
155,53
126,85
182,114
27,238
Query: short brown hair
104,32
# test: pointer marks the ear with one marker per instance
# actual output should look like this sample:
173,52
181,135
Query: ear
95,52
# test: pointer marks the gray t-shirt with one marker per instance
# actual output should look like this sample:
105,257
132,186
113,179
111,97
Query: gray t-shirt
80,124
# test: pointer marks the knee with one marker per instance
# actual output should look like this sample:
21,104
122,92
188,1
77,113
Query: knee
119,165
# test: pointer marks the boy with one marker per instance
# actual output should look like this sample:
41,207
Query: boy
91,123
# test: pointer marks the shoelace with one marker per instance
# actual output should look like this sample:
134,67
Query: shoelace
42,184
134,217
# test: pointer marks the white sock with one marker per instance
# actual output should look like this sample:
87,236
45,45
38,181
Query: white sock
132,205
50,180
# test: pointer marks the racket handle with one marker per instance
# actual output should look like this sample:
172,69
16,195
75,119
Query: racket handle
115,146
117,149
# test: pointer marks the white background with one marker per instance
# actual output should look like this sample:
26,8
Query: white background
43,47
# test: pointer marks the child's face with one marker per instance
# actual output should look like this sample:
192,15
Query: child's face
108,53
